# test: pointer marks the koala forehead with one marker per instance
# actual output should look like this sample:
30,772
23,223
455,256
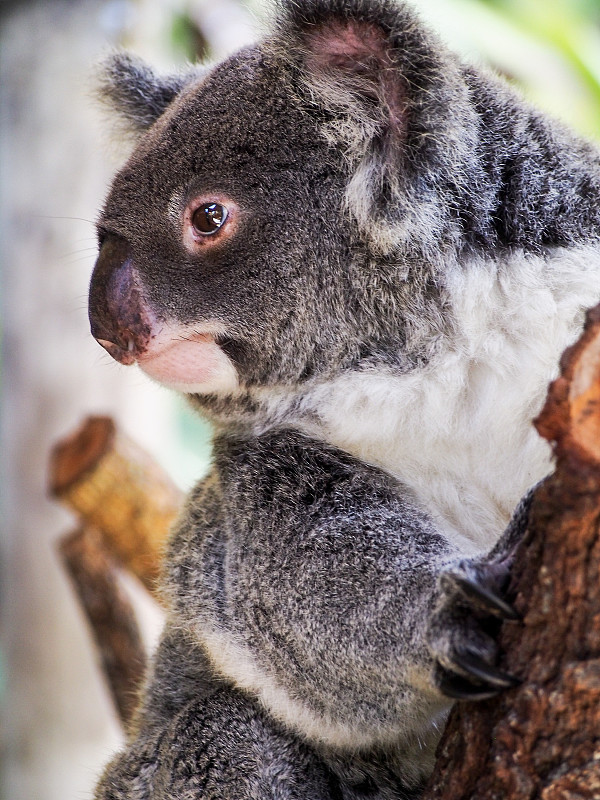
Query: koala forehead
239,130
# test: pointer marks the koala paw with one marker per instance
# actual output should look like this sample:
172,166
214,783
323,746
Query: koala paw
464,627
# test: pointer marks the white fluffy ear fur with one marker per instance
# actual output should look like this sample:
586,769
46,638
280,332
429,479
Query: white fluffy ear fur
139,96
349,65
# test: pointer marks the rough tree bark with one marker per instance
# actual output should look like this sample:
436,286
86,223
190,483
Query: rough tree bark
541,741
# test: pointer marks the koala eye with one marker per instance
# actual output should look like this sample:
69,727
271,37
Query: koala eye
208,218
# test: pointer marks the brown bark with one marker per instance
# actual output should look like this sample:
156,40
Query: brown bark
541,741
118,489
109,614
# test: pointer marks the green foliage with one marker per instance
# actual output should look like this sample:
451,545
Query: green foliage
551,48
188,457
570,27
186,39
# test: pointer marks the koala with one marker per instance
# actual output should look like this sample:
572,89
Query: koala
361,259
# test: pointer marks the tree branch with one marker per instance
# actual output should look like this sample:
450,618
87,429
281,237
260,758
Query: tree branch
117,488
110,615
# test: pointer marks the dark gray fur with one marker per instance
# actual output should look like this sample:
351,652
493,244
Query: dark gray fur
322,570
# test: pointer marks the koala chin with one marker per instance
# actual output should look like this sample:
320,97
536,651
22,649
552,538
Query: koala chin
361,258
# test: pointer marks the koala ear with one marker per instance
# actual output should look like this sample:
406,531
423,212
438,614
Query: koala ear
352,64
392,95
136,93
352,60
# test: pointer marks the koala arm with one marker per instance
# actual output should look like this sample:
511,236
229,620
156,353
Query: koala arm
309,578
471,604
197,736
302,584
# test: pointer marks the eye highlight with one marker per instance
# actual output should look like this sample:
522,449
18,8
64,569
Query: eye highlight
209,218
204,215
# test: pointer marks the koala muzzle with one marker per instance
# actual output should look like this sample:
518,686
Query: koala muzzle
120,319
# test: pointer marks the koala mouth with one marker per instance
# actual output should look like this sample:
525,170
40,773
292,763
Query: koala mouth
190,361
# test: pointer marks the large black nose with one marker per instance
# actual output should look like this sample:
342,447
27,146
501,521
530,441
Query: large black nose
120,319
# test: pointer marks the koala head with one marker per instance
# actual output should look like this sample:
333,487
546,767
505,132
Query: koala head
279,218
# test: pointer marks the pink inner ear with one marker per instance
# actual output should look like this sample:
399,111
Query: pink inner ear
351,44
360,49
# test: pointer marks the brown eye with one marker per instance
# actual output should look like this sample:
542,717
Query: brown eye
208,218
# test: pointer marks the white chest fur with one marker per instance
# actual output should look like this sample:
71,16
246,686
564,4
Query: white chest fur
459,431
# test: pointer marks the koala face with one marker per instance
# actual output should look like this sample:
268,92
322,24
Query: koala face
294,212
246,242
222,236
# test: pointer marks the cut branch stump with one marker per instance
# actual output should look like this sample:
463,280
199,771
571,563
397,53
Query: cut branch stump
118,489
126,504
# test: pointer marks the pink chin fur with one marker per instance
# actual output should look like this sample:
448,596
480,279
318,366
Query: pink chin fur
189,362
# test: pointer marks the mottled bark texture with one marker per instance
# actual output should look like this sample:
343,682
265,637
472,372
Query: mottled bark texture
541,741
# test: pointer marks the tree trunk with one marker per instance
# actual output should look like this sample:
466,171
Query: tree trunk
541,741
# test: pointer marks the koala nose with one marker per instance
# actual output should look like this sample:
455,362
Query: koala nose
120,319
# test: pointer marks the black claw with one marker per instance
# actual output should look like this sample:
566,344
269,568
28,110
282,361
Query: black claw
486,598
484,681
460,688
492,676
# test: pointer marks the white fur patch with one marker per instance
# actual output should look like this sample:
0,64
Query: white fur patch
459,431
237,662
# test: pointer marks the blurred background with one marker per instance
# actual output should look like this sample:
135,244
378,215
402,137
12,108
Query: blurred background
56,160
